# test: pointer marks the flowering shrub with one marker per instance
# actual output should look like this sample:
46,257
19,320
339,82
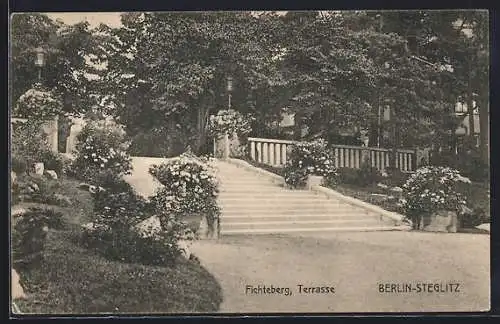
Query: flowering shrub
101,146
38,103
431,189
189,187
229,121
309,158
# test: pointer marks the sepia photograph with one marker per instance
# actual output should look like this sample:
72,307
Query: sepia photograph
249,162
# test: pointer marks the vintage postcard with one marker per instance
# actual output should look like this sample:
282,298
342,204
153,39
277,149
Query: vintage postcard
249,162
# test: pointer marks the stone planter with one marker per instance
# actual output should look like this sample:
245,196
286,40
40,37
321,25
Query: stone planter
441,221
313,180
199,225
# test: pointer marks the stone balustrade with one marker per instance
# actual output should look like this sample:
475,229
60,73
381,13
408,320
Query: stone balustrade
275,152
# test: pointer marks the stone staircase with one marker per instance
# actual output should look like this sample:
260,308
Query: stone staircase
252,203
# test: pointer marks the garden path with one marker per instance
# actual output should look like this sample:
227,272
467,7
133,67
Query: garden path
355,263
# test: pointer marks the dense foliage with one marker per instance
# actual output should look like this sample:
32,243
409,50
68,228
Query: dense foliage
37,103
229,122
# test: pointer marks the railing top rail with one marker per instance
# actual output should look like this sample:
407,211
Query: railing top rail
370,148
268,140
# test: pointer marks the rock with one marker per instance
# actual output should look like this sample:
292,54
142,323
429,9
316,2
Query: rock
51,174
396,189
184,246
64,200
83,186
17,289
380,195
39,167
484,227
383,186
13,178
34,187
16,211
149,226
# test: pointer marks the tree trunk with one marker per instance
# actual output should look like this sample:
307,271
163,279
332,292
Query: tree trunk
470,103
484,129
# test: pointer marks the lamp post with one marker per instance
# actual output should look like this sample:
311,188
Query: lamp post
39,61
229,90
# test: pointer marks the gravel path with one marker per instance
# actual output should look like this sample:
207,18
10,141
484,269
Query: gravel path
354,264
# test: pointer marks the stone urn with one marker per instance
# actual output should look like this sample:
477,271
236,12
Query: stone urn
313,180
445,221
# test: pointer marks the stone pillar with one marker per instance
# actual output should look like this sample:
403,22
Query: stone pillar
71,140
50,127
422,156
222,147
365,156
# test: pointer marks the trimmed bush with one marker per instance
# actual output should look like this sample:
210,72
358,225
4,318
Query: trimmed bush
309,158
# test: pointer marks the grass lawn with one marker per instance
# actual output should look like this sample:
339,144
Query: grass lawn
72,279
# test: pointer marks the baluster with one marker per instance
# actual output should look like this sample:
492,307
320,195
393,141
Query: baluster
382,159
405,162
410,160
336,157
283,153
252,150
356,158
265,153
341,160
271,153
352,164
278,153
259,151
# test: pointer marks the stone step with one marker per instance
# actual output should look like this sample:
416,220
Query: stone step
299,224
276,199
235,218
291,204
307,230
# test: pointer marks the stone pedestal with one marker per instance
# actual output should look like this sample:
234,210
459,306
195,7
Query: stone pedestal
222,147
313,180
